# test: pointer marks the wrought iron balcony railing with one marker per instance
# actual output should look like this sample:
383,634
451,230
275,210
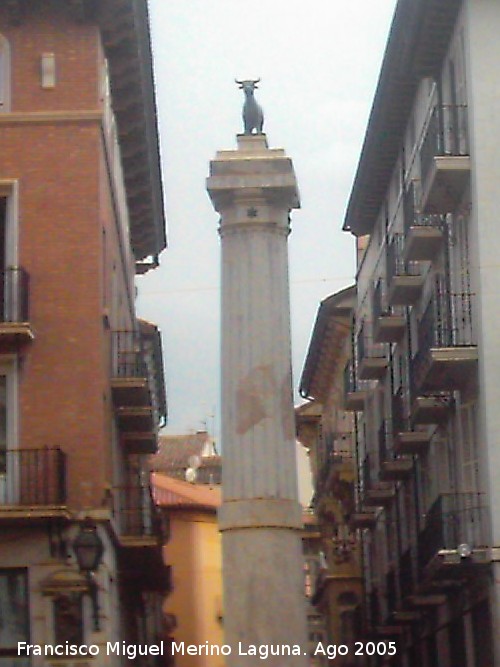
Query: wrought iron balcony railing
136,512
454,519
447,325
389,317
373,490
400,419
385,451
371,356
366,348
152,343
447,135
407,573
132,359
361,347
350,378
378,308
127,355
355,389
365,480
397,264
33,477
413,217
393,465
334,457
447,321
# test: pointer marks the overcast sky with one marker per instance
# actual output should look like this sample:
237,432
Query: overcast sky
319,63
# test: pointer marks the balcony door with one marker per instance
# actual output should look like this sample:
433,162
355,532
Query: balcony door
3,440
3,227
10,280
9,459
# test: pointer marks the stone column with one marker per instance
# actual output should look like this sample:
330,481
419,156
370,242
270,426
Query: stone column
254,188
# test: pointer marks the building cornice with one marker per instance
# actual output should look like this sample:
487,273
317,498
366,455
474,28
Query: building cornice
331,321
35,117
126,39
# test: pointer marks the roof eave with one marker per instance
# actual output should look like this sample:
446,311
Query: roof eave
126,38
417,43
337,305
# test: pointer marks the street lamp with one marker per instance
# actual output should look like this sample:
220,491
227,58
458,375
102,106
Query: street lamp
89,549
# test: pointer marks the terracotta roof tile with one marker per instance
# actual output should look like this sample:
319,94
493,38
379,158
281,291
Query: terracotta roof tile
174,451
170,492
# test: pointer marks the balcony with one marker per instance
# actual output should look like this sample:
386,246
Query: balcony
454,540
379,494
445,161
136,515
412,442
138,389
389,326
371,357
405,278
393,467
32,484
407,440
141,538
431,409
336,469
447,356
364,518
423,233
355,392
15,326
374,493
129,380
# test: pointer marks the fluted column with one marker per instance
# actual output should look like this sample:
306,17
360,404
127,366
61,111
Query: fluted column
254,188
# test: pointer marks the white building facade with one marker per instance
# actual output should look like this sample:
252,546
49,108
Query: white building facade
423,379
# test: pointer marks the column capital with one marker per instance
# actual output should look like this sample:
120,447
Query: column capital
252,172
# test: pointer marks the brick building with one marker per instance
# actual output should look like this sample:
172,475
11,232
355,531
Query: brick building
81,378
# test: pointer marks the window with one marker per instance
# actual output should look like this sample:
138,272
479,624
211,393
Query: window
9,460
4,74
68,619
3,424
14,615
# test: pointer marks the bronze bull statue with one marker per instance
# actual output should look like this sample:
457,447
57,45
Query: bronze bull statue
253,118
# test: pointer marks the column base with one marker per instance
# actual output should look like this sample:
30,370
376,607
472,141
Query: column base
260,513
